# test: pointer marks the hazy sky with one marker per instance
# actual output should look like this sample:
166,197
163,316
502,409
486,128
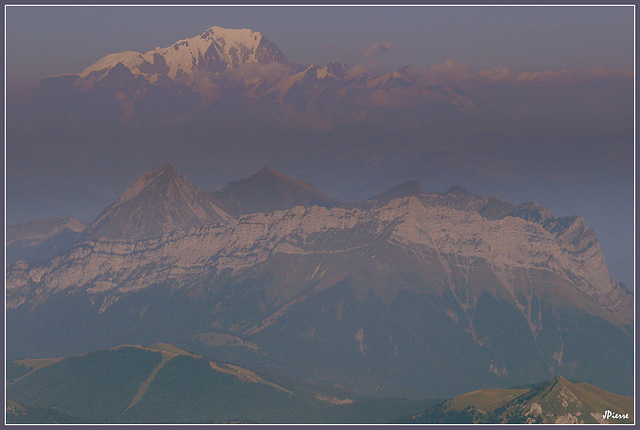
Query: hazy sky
48,40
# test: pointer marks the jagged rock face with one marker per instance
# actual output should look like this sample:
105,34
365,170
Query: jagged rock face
459,198
160,201
404,297
510,244
560,401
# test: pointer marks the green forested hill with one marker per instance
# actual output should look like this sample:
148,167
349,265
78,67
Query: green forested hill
163,384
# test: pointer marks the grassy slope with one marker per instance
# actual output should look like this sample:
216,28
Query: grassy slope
486,400
163,383
557,399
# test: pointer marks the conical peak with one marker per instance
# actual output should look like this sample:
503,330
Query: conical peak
164,170
557,381
159,201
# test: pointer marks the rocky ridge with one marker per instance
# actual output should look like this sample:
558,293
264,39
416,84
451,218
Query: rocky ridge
510,245
407,277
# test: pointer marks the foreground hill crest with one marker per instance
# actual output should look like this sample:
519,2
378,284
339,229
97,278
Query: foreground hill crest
557,401
164,384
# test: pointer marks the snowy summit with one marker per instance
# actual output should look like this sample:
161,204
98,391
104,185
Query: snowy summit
214,50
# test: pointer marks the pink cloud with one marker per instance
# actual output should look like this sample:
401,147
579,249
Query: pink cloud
495,75
453,73
355,71
376,47
448,73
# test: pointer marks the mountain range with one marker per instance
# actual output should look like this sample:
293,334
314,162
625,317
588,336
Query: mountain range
225,102
219,71
407,293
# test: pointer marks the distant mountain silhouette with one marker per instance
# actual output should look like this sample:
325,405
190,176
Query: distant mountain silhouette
269,190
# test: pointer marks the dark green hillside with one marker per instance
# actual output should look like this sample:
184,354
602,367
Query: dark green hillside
373,411
15,370
187,389
164,384
96,386
351,319
592,344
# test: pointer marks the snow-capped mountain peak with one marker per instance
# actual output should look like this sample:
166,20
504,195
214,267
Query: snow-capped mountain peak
214,50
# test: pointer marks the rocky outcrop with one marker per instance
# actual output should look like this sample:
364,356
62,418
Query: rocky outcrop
556,401
510,246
